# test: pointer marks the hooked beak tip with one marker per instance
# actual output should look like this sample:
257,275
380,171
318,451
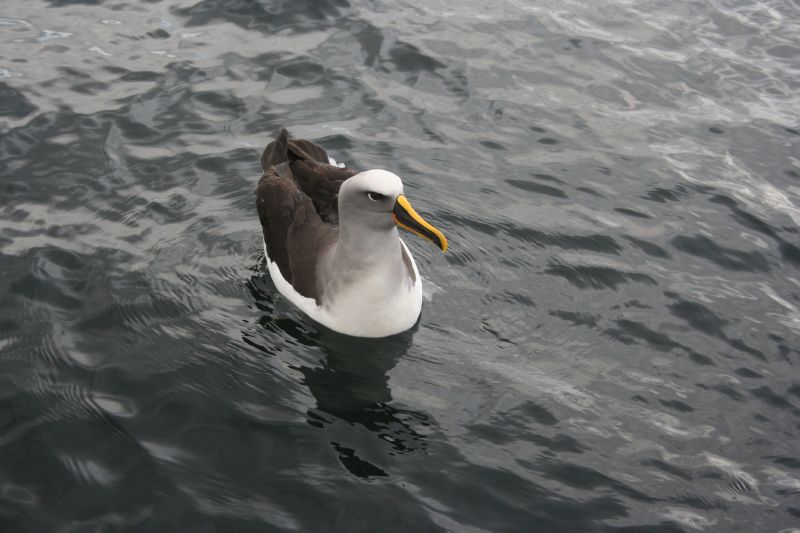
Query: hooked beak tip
406,217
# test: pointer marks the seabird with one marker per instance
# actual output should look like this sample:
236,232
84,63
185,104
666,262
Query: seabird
331,240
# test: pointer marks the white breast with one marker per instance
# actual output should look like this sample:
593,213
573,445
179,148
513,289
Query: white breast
367,309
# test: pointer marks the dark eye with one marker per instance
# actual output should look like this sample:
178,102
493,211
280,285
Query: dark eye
375,197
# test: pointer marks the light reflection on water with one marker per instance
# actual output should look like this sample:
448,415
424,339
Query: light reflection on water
610,342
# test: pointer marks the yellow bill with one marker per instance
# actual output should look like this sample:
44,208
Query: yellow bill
405,217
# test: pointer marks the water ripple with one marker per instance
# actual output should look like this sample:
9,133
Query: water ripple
611,343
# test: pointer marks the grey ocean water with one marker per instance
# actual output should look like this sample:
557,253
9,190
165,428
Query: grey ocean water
610,345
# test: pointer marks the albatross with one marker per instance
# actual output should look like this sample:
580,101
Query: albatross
332,243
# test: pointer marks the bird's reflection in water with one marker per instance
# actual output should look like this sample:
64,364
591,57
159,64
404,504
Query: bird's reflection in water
351,383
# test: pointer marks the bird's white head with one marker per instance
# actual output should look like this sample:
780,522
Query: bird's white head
374,199
369,198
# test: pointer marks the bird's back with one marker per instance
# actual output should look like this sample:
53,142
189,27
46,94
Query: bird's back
310,168
296,201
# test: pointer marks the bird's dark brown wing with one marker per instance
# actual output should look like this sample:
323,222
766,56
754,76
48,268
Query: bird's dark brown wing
296,202
294,234
311,170
321,183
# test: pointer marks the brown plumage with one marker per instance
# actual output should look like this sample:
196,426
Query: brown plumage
296,202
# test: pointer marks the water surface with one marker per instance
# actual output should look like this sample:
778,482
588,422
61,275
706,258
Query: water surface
611,344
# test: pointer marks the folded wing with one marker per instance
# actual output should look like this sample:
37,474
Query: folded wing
296,201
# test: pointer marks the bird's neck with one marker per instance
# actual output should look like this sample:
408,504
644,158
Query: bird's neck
369,248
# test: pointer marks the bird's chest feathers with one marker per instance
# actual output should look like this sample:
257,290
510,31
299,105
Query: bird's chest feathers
381,292
372,291
375,296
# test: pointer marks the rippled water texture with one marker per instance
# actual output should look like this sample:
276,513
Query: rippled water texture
610,344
